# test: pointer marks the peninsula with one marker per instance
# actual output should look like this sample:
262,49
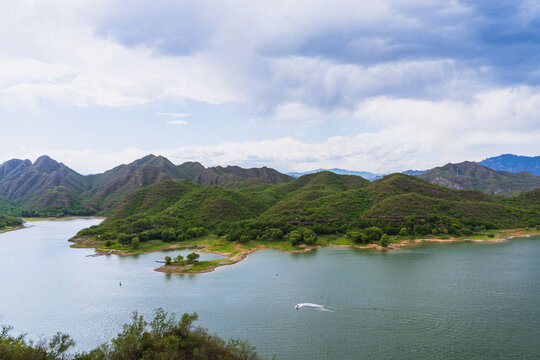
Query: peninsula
313,211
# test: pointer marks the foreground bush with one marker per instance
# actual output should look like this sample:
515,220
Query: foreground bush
162,338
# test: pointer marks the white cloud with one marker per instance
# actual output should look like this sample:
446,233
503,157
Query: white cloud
54,50
173,115
411,133
177,122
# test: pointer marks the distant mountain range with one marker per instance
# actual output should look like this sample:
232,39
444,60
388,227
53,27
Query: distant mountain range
365,174
47,187
472,176
513,163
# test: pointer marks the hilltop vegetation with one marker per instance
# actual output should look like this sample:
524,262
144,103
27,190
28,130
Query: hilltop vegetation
162,338
310,206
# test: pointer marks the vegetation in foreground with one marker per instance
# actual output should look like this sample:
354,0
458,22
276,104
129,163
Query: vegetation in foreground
162,338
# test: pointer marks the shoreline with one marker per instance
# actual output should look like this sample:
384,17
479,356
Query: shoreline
31,219
20,227
239,252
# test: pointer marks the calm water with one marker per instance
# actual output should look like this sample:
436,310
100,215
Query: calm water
380,305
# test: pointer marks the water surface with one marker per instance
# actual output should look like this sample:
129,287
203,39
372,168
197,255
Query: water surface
436,301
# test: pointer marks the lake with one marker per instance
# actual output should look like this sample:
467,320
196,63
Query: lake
434,301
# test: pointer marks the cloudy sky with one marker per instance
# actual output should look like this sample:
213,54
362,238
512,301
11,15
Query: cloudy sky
379,86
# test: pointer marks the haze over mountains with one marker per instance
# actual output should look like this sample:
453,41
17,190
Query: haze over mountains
49,188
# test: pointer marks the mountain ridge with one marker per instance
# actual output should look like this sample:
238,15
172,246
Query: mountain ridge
469,175
49,188
513,163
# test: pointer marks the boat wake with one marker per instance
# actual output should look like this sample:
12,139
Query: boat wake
313,306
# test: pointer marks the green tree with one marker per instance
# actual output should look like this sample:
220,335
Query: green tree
310,237
357,236
193,257
403,232
373,234
277,235
178,258
124,239
135,243
295,237
168,235
385,240
168,260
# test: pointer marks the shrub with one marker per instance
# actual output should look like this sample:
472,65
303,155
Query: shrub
167,235
403,232
195,232
277,235
168,260
357,236
385,240
373,234
135,243
124,239
108,243
310,237
295,237
244,239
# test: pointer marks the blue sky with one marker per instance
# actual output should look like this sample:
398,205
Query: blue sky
296,85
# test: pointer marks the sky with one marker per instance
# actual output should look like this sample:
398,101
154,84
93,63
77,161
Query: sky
296,85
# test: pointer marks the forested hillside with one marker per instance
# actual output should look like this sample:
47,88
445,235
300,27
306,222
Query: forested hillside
321,203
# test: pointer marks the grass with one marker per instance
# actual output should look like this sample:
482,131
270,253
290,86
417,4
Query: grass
216,244
61,218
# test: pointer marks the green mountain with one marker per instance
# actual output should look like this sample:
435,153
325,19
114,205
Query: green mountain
324,202
109,188
231,175
49,188
45,184
365,174
472,176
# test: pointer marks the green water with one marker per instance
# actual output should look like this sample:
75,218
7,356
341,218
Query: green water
380,305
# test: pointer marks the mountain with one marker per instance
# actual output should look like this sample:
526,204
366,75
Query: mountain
364,174
472,176
325,202
45,183
231,175
513,163
414,172
110,187
49,188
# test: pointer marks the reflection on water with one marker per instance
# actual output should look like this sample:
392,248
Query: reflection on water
392,304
